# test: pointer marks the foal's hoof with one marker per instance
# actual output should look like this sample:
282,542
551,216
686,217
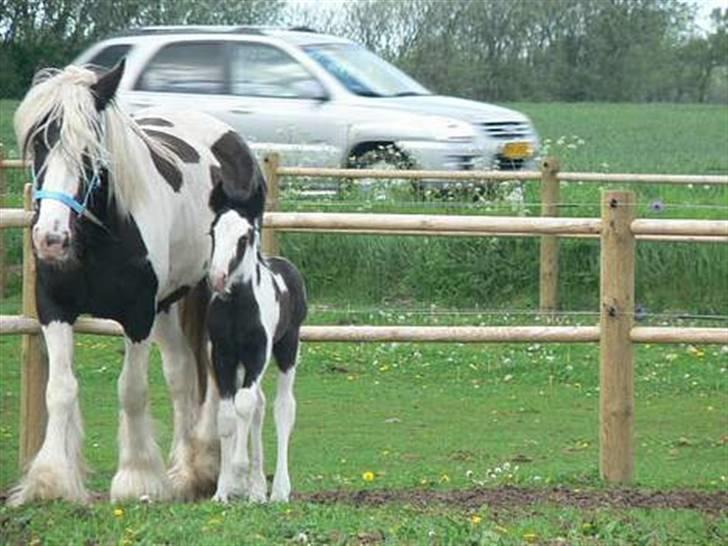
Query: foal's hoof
223,497
279,497
257,497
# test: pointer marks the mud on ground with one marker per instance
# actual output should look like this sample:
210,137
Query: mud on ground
505,498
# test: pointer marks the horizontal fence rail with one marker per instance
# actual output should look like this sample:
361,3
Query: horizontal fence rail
705,231
316,172
19,325
429,222
717,180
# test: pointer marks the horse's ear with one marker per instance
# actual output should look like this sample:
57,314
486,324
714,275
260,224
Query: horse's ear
105,88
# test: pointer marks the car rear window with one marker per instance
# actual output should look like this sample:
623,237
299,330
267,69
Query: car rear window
109,56
191,67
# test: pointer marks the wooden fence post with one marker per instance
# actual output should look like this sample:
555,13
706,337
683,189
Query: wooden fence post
616,392
3,195
269,241
34,371
549,261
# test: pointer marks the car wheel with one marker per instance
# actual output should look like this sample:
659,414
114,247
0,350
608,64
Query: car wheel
378,157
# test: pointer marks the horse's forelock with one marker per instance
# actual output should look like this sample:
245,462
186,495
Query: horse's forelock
61,97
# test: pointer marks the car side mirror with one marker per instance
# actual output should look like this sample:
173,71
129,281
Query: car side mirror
312,89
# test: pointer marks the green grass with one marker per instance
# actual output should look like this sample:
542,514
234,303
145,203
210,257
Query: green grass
429,416
303,523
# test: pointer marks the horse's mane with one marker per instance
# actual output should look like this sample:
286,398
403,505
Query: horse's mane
65,97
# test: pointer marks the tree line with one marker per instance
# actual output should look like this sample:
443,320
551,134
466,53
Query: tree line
497,50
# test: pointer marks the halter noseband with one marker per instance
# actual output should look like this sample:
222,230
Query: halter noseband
80,209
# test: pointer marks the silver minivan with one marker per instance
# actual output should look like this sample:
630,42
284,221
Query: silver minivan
318,99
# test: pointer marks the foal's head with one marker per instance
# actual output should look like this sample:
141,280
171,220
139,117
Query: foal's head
234,250
60,124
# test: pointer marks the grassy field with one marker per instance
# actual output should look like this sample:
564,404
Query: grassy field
424,419
434,419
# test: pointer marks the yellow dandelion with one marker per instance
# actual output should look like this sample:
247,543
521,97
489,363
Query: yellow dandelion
475,519
368,476
444,478
530,537
118,512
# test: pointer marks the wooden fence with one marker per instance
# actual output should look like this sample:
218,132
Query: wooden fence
549,178
617,229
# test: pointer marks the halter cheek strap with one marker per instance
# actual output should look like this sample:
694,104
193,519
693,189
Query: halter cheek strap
79,208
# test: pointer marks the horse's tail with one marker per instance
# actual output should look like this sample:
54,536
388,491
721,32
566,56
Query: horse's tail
194,325
204,453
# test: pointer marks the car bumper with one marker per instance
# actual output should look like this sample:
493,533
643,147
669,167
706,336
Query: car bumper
448,156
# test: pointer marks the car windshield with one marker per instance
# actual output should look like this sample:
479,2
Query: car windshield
362,72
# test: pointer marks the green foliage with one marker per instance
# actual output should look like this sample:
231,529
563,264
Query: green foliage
41,33
568,50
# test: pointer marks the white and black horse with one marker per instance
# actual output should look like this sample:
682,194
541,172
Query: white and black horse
121,232
257,308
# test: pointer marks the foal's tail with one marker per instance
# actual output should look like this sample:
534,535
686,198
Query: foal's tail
194,317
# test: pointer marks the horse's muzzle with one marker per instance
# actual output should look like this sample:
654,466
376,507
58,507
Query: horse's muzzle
218,281
52,246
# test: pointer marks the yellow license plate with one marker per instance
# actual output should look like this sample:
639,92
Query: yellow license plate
517,150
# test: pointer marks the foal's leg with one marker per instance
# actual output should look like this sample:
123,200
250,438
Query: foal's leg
57,469
141,468
180,372
225,367
248,400
226,425
286,353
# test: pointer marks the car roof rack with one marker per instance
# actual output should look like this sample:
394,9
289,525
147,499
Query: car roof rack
195,29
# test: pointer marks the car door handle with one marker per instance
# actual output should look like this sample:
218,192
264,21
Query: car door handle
240,111
141,104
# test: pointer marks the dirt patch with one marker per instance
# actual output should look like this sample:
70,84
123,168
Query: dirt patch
519,497
507,498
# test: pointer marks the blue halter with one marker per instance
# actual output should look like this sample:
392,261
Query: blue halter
79,208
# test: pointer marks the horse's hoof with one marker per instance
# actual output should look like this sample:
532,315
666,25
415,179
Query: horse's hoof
135,484
44,482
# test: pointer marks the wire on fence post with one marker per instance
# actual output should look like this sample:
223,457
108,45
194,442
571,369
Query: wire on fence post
271,163
549,262
34,371
616,386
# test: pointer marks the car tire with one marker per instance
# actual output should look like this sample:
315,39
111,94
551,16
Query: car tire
379,157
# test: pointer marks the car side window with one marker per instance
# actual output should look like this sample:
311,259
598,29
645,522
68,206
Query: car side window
191,67
109,56
261,70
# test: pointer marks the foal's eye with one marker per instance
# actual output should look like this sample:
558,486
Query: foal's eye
242,243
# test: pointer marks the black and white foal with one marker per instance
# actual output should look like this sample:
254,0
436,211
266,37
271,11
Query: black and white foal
257,310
